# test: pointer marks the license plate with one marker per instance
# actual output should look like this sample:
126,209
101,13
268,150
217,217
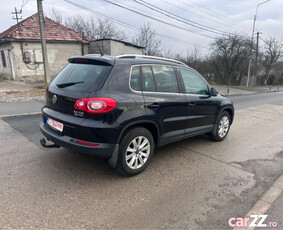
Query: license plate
55,124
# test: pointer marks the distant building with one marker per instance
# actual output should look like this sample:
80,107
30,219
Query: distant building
20,48
21,54
114,47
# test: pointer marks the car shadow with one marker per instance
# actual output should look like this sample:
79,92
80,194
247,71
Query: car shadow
87,167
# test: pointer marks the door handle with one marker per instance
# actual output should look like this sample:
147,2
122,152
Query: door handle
154,105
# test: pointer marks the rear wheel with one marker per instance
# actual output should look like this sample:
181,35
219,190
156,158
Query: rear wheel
135,152
222,127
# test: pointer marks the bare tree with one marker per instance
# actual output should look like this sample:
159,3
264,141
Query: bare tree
106,29
96,29
55,15
91,27
229,55
194,57
273,51
79,24
278,72
147,39
167,53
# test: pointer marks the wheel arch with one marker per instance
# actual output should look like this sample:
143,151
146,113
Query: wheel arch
230,110
150,126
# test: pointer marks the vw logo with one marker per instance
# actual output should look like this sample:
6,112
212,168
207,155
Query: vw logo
54,99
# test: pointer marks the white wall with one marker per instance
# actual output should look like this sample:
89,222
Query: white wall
119,48
58,54
113,48
103,45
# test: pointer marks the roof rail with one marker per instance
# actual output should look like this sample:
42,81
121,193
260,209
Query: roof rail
149,57
93,55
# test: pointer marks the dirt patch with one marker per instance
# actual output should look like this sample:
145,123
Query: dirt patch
13,91
14,96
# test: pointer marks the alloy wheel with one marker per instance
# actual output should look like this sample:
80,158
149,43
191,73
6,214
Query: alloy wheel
223,126
137,152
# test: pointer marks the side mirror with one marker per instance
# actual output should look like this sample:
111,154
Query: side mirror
213,92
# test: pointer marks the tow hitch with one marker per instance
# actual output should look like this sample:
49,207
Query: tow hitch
43,143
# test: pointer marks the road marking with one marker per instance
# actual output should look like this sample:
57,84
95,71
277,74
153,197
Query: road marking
264,203
20,114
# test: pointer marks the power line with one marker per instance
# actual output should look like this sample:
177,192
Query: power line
140,10
156,19
179,18
191,12
130,26
213,14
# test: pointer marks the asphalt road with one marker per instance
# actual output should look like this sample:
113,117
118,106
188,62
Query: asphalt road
246,101
195,183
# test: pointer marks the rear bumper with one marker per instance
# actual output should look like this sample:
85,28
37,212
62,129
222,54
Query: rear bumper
102,150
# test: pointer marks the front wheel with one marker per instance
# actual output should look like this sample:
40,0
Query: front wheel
222,127
135,152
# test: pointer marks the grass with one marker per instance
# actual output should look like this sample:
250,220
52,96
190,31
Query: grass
43,86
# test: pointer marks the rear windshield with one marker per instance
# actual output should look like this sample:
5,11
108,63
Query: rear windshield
81,77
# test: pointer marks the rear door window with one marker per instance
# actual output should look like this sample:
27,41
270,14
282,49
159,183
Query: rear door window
82,77
165,79
148,80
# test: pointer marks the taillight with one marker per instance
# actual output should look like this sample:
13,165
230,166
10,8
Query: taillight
95,105
81,104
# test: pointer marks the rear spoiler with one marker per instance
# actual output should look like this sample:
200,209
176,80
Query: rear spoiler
101,60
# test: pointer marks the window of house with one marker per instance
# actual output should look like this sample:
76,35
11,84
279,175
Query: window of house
3,58
193,83
165,79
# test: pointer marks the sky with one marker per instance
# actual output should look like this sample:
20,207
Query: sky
219,16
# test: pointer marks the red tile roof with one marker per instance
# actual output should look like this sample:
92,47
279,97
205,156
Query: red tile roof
29,29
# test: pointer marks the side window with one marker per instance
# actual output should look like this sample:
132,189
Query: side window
148,81
165,79
193,83
135,78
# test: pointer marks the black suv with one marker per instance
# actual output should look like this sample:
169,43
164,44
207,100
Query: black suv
121,108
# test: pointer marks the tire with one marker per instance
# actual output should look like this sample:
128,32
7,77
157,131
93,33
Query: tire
131,160
222,127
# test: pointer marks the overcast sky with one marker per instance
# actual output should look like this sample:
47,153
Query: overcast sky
227,16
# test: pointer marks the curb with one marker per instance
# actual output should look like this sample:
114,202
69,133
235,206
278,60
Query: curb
265,202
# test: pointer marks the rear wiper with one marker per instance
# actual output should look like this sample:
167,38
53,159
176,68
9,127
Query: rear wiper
63,85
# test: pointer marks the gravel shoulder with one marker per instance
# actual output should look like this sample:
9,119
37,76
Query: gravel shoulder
12,91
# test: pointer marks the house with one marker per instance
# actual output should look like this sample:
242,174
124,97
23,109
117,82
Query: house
114,47
20,49
21,54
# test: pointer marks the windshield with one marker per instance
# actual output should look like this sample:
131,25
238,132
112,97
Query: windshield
81,77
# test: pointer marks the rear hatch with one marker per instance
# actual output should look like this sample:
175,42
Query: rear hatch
82,76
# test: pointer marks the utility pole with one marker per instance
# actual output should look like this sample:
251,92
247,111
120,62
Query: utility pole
256,55
17,18
251,49
43,40
16,12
